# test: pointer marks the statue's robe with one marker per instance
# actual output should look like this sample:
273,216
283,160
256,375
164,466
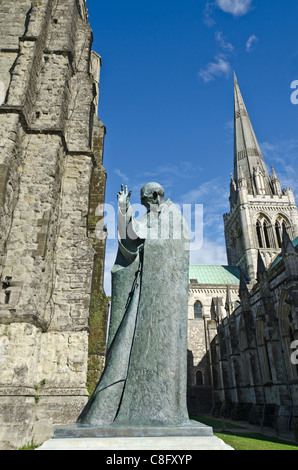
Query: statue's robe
145,377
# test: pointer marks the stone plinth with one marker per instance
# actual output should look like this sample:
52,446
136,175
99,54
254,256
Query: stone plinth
191,436
192,428
138,443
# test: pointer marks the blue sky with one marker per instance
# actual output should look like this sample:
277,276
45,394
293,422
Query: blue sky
167,98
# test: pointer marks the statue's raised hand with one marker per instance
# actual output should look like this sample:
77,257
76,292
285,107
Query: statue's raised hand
123,197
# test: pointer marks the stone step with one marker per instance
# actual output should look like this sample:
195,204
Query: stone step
137,443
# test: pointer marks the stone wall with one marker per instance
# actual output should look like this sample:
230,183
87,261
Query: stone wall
51,182
202,329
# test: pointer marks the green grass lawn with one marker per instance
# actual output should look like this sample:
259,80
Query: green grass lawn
249,441
245,440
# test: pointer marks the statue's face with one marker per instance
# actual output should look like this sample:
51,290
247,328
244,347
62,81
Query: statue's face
149,195
146,198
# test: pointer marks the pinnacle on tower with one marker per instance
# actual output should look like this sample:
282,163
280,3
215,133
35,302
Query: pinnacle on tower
275,183
261,266
287,245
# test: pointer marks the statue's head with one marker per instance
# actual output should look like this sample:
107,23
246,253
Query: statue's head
152,193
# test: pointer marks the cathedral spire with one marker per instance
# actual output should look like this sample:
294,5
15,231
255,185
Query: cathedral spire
247,153
259,208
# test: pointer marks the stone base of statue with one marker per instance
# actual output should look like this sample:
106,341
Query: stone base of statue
191,436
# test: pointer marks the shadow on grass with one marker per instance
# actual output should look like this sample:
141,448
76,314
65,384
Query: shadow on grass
216,423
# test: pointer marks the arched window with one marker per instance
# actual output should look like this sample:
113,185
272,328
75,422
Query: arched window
199,378
278,234
259,234
198,309
266,234
281,224
264,231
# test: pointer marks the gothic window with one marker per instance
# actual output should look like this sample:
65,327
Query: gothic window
264,232
259,234
281,224
199,378
278,234
198,310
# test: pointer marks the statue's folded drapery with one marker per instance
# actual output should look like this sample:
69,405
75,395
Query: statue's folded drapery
144,380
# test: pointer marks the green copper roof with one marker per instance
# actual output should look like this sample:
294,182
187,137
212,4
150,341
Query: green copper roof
215,274
279,257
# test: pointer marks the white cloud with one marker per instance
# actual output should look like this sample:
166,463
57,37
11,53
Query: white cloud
213,195
220,67
211,253
208,20
168,175
121,175
267,147
220,39
252,40
198,194
182,170
235,7
283,154
229,130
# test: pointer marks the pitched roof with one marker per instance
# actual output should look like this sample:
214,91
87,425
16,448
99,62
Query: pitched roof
220,275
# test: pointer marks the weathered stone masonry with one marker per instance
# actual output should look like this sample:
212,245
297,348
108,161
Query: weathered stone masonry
51,182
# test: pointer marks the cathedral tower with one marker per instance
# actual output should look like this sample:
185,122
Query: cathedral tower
259,208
